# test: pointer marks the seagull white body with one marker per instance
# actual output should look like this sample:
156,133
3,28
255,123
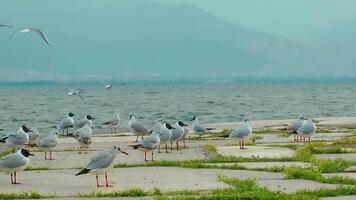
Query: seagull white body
185,135
242,133
102,163
148,144
34,136
83,136
66,123
79,123
48,143
177,133
114,123
108,87
15,162
165,134
18,139
198,128
295,125
308,129
136,127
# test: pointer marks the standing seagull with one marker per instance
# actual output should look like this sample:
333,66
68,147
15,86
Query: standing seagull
295,125
198,128
114,123
177,133
81,122
242,133
34,136
136,127
148,144
66,123
101,163
307,130
165,135
83,136
28,30
15,162
48,143
18,139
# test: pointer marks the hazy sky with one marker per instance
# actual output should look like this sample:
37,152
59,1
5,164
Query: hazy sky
128,39
283,17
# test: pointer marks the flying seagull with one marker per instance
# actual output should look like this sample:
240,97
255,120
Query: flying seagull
28,29
77,92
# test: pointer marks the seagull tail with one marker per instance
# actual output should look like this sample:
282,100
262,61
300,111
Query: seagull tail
135,146
3,139
84,171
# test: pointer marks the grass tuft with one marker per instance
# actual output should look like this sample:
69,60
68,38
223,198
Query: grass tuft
134,192
25,195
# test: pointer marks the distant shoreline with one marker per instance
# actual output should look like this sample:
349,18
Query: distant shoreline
175,80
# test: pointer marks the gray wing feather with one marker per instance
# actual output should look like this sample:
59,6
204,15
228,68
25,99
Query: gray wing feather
12,161
139,128
101,160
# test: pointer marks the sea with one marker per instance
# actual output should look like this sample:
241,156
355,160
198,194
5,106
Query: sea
44,105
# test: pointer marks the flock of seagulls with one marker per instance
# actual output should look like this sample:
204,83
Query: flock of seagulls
161,135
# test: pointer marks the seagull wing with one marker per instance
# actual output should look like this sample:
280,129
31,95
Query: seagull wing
40,33
81,96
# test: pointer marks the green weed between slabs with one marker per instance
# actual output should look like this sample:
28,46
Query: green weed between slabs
134,192
315,175
36,168
25,195
209,149
248,189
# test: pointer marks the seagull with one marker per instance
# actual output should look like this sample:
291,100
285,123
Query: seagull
307,130
165,135
177,133
83,136
198,128
108,86
18,139
242,133
77,92
28,30
81,122
295,125
114,123
101,163
48,143
34,136
66,123
15,162
148,144
136,127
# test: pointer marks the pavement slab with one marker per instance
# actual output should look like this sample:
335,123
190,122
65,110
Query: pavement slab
346,156
256,151
64,183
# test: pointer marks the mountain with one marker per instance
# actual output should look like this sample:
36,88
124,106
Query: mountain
138,38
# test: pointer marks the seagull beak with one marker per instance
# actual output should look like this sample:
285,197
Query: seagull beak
124,152
31,154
